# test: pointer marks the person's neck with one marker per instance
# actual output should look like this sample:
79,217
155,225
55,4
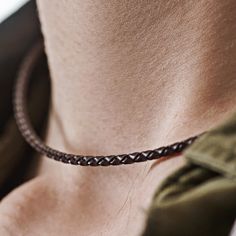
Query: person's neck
133,76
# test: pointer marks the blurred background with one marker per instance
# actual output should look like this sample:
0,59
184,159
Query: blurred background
7,7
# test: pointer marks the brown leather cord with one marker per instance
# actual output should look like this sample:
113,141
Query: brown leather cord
27,131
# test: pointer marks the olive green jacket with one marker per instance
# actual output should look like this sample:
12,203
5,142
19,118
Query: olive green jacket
198,199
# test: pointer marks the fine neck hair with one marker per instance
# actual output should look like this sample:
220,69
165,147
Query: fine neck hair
134,75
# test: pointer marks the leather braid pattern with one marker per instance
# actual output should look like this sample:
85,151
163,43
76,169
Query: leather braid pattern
33,139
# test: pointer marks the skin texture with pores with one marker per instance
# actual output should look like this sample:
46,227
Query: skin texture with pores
126,76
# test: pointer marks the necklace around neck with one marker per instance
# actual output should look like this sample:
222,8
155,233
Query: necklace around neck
28,133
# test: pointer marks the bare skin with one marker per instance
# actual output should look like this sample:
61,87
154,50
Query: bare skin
126,76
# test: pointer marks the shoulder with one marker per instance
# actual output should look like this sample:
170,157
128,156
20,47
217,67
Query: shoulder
18,208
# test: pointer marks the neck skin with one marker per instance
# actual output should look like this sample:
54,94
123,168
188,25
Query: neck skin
129,76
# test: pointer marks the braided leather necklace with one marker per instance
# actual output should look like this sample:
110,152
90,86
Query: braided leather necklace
27,131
